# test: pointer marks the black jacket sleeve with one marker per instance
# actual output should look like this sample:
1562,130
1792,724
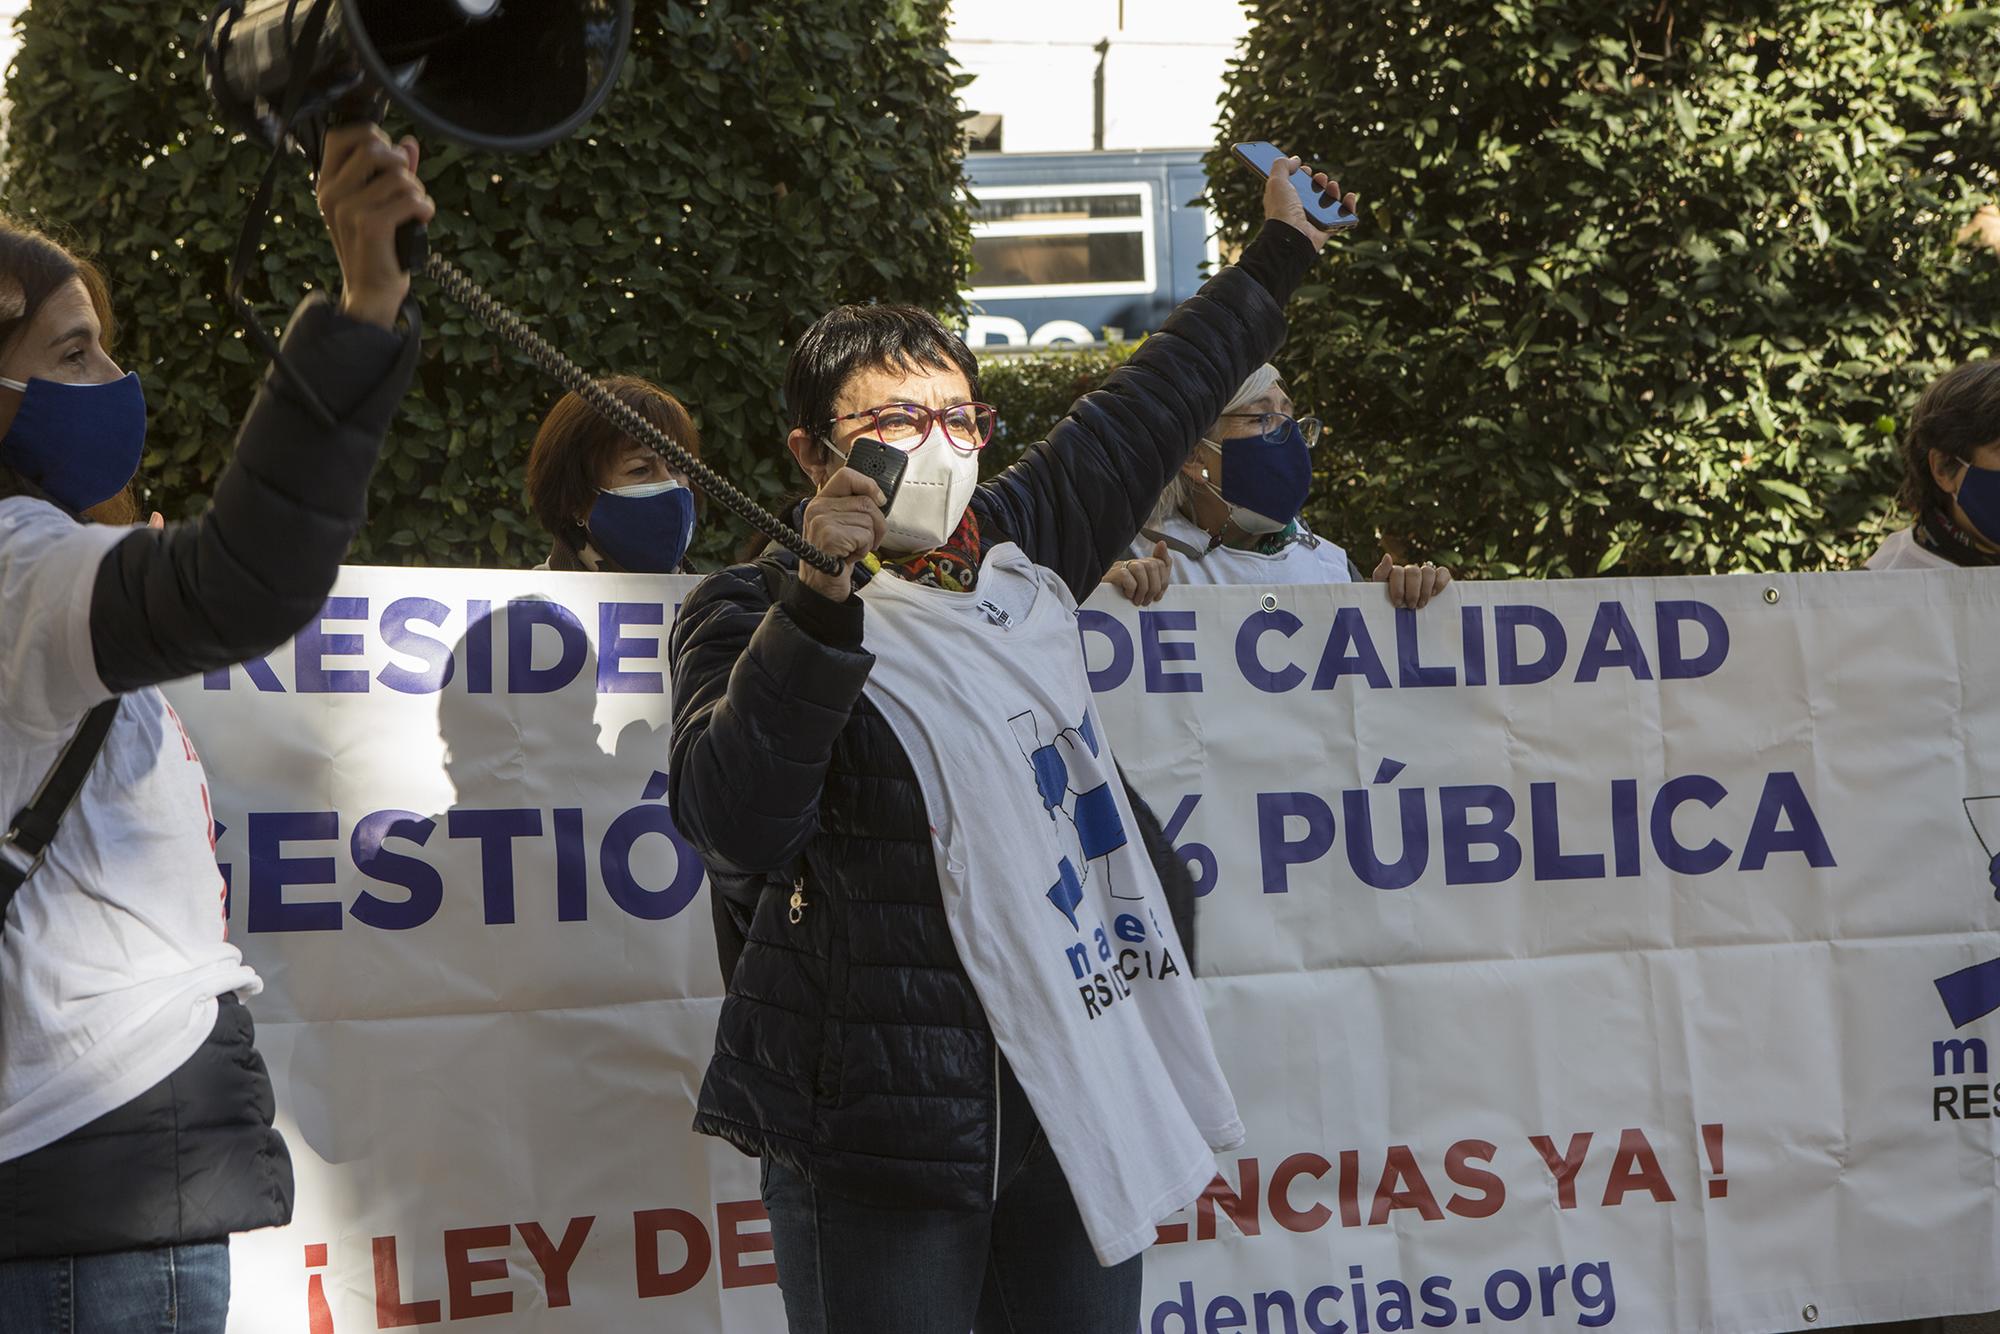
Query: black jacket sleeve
761,692
1075,501
1176,881
253,569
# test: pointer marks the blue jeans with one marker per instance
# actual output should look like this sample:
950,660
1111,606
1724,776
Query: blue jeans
168,1290
1023,1265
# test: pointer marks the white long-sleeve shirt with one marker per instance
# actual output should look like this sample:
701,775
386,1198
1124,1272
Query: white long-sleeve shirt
115,949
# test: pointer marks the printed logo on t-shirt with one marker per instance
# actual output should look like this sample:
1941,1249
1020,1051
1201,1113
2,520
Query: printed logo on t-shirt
1071,779
207,808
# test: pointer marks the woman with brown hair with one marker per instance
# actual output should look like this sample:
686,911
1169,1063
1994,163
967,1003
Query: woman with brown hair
135,1112
607,501
1951,475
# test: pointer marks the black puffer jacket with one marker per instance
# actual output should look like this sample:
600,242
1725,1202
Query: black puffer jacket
851,1044
193,1158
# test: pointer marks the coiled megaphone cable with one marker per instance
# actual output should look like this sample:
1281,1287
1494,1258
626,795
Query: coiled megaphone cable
461,288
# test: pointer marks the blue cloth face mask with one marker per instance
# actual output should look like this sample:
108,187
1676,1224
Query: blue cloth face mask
1979,497
646,528
1265,482
80,443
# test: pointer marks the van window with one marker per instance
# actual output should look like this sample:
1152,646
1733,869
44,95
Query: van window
1049,261
1062,240
993,207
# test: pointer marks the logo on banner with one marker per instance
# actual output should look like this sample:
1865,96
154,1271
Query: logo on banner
1960,1066
1973,993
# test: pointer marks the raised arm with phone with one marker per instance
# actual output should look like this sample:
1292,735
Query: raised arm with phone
1323,207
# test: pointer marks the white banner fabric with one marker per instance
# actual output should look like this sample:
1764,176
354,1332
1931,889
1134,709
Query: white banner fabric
1607,954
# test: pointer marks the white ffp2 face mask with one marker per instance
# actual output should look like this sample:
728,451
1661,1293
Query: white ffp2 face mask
936,487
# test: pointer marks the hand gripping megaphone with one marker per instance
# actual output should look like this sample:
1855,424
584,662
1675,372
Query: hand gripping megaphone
508,76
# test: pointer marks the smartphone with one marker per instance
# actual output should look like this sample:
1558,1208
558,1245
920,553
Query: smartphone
1327,213
879,463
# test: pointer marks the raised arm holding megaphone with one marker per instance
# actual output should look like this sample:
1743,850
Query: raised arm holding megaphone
136,1117
135,1113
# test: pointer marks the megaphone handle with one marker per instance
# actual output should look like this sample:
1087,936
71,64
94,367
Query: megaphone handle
413,246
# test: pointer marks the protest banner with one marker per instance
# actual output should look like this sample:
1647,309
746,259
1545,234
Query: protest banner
1600,954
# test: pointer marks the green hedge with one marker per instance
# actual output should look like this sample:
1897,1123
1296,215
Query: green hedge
1638,289
1033,391
757,164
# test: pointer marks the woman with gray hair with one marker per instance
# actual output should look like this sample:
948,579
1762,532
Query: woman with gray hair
1231,515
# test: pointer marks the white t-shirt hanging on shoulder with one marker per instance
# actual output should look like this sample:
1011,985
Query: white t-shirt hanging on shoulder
1054,905
114,950
1899,551
1310,560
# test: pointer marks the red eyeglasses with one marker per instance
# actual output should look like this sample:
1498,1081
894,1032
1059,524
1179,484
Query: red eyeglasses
968,426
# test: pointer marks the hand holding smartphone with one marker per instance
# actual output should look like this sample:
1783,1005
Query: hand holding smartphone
1324,211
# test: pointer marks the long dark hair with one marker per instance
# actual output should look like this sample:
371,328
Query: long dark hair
1958,414
32,269
574,445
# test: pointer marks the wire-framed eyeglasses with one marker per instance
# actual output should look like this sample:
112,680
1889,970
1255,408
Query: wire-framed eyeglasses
968,426
1272,426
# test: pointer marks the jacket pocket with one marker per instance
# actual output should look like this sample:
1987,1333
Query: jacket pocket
831,918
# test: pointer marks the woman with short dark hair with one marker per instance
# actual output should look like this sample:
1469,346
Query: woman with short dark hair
1951,475
607,501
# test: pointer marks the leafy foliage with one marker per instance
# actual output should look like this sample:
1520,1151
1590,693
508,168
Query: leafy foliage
1638,289
1034,390
757,164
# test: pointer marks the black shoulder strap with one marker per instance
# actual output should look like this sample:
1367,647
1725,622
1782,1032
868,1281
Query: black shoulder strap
22,846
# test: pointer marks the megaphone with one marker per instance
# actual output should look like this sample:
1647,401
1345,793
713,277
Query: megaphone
501,75
508,76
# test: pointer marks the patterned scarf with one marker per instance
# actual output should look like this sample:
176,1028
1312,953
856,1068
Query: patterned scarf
1264,544
1270,544
1936,532
953,567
